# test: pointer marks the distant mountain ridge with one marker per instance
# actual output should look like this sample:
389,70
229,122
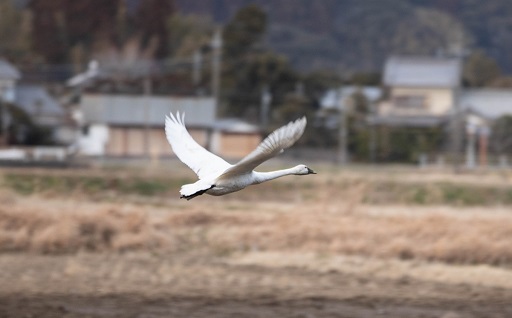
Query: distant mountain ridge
351,35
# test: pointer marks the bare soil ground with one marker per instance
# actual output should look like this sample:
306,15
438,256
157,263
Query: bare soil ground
327,255
160,285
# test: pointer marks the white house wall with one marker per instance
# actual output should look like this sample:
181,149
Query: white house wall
439,101
93,143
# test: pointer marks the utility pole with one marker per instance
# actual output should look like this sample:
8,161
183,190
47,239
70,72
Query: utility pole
147,108
373,137
457,122
5,121
299,89
342,130
266,99
196,71
216,45
483,134
471,130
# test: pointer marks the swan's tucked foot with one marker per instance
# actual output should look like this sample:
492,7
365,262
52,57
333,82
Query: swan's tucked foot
190,197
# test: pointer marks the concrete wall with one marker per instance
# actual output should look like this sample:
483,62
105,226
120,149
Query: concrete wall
132,142
138,142
237,145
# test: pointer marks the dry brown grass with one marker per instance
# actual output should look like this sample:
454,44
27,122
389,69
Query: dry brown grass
429,237
300,217
443,234
50,226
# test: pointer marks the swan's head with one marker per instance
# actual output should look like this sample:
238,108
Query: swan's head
303,170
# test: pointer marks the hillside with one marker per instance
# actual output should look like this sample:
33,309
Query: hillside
356,35
344,35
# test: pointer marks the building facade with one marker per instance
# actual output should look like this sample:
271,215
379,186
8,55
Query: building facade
421,91
133,126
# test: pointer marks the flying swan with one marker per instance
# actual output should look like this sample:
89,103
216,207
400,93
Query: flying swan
216,176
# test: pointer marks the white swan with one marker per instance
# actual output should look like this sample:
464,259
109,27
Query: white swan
216,176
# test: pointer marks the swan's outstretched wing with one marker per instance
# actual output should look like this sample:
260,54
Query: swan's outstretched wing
274,144
200,160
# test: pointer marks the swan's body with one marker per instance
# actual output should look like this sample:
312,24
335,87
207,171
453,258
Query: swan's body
216,176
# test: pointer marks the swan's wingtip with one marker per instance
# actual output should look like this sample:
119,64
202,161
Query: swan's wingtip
301,120
178,118
169,117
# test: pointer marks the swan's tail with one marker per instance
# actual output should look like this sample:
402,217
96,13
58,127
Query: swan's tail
190,191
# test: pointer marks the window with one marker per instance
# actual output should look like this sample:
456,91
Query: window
410,101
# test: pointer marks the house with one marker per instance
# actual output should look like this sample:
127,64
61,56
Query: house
427,92
9,76
35,101
133,126
424,99
421,91
481,108
45,111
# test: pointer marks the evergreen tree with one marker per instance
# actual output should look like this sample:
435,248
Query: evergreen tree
244,31
480,70
248,68
501,141
15,33
48,38
86,19
151,20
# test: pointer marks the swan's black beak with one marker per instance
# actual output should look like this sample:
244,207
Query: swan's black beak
311,171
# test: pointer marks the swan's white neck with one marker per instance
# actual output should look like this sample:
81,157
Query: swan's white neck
267,176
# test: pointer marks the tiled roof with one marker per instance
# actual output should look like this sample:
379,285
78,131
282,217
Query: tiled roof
491,103
39,104
142,110
422,72
35,98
